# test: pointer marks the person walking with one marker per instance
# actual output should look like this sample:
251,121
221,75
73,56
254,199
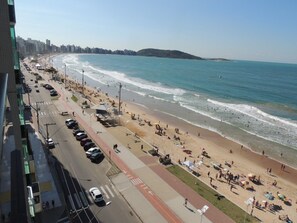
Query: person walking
186,202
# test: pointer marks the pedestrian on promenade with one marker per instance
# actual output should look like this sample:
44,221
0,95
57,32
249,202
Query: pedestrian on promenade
186,202
73,114
53,203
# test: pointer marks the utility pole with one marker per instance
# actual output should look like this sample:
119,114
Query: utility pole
37,110
83,81
120,98
46,126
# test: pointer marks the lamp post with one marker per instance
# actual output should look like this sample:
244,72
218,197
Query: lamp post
202,211
65,76
82,81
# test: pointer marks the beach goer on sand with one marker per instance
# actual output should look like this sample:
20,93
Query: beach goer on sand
208,173
274,183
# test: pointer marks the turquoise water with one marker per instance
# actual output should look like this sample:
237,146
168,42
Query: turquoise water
234,98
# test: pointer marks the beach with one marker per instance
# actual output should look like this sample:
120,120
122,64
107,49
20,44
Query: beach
140,125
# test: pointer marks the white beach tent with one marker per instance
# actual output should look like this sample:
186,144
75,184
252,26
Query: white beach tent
189,164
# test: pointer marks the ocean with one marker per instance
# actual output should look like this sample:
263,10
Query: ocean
253,103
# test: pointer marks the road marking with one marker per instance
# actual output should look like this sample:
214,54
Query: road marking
109,190
136,181
104,192
114,189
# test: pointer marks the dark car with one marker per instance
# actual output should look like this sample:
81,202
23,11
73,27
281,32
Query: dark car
72,124
96,156
37,90
54,93
27,107
84,141
75,131
81,136
89,145
48,87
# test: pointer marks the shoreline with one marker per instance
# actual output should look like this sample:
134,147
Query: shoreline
250,140
245,160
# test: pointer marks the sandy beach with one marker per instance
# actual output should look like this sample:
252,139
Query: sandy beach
253,174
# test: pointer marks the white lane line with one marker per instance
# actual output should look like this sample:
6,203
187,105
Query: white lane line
104,192
109,190
114,189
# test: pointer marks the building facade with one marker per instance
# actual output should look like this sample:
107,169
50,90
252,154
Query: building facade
11,101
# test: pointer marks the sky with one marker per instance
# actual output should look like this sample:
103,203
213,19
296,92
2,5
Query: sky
260,30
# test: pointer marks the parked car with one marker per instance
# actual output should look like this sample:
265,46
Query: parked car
96,156
72,124
68,120
96,194
48,87
92,151
27,107
80,136
75,131
89,145
50,143
54,93
84,141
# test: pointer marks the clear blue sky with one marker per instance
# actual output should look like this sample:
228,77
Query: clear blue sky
263,30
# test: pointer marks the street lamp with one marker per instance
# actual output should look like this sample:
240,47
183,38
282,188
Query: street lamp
202,211
82,81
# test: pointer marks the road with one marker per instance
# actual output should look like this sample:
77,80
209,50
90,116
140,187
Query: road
75,171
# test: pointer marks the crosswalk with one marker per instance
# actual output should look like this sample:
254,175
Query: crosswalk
42,103
108,191
49,113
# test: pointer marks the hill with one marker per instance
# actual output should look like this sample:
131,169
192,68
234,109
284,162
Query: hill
166,53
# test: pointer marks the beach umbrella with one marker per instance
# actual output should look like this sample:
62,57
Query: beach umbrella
281,196
251,175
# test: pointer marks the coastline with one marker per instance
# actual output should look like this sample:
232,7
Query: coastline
245,160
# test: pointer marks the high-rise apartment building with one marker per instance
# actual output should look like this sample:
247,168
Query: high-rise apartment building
11,89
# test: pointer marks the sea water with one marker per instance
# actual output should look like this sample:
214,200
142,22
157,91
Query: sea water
253,103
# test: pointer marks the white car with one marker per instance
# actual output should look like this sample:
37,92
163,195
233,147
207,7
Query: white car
96,194
92,151
50,143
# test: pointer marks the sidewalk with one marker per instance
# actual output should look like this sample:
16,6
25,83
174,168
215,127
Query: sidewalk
154,182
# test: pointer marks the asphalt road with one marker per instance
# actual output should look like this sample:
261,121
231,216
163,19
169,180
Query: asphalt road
75,171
